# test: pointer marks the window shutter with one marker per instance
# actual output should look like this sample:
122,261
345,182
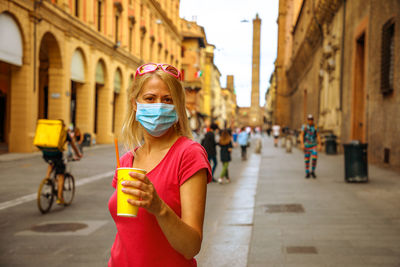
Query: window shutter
387,57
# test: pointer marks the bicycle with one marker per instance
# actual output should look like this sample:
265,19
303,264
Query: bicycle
48,189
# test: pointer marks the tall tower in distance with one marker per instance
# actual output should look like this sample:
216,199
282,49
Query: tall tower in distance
255,112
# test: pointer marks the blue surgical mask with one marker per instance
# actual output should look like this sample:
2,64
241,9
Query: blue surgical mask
156,118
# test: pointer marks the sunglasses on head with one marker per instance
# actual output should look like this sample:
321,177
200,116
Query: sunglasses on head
151,67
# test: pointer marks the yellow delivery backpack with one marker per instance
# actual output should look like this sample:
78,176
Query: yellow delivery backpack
50,135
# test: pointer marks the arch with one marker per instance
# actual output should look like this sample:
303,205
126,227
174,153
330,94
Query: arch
78,66
50,78
130,81
100,98
117,80
49,50
11,45
118,108
100,72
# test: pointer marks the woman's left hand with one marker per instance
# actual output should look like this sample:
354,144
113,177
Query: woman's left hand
144,190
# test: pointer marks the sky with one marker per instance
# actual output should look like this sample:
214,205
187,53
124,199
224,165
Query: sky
229,26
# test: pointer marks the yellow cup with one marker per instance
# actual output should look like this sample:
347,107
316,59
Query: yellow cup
125,209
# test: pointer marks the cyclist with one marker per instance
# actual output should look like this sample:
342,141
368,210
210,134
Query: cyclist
55,159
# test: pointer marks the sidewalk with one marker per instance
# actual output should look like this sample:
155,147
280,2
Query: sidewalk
16,156
328,222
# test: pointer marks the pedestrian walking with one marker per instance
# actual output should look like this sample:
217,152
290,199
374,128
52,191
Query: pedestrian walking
269,129
243,140
78,139
210,145
225,143
276,131
168,228
235,135
71,134
310,143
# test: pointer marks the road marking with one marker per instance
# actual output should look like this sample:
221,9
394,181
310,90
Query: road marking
30,197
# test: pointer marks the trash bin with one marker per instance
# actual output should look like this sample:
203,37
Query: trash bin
330,144
86,139
355,162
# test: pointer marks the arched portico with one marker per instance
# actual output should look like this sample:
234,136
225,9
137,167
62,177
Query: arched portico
80,90
119,102
50,79
103,104
11,55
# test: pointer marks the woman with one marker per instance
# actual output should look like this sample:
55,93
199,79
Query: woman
168,229
225,142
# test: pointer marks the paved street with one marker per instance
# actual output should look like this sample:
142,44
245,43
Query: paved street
342,224
326,222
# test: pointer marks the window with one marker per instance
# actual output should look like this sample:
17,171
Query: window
183,51
118,12
116,27
131,22
99,15
130,37
387,57
77,8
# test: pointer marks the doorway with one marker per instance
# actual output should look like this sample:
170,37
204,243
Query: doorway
96,106
5,79
73,103
358,113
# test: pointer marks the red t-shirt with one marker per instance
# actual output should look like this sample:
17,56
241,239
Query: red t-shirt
140,241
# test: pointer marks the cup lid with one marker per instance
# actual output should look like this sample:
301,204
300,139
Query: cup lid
128,168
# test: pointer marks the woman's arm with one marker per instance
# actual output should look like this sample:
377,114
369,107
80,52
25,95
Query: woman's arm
184,234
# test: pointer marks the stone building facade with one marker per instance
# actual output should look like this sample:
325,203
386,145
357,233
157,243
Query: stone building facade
193,58
270,102
74,60
338,60
229,103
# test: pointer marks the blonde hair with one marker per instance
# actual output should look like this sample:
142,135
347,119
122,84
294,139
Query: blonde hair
132,131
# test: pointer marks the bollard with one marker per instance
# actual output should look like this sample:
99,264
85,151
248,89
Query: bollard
288,144
283,141
258,146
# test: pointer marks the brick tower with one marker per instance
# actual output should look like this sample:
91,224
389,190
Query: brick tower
255,113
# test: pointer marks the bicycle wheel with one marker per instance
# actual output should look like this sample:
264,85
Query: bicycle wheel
45,195
69,189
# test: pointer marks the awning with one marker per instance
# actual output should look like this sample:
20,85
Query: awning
77,67
11,40
117,81
100,73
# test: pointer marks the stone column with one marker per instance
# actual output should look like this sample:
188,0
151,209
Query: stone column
22,121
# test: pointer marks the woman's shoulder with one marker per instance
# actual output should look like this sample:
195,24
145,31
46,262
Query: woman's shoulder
185,145
184,142
126,159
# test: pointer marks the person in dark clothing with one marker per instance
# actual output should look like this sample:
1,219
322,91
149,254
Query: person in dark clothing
225,143
209,145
